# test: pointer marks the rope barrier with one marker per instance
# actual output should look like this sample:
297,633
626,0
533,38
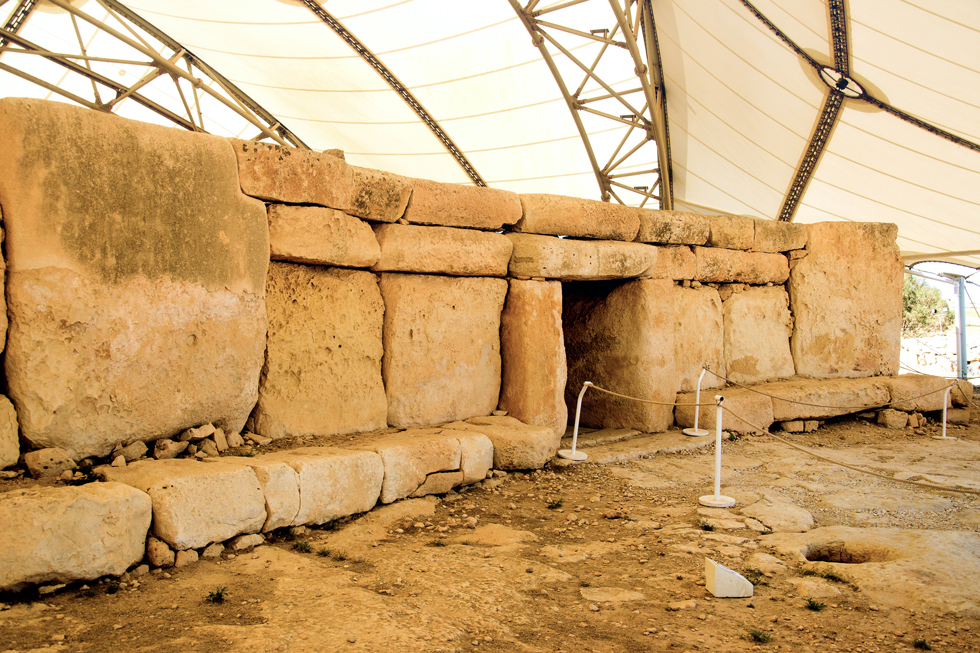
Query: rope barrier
646,401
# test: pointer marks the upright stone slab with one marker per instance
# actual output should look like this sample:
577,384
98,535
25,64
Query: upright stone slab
727,265
313,234
280,487
846,296
757,330
195,504
532,350
285,174
579,260
442,347
65,534
9,434
458,205
620,336
699,337
136,278
558,215
442,250
322,372
672,227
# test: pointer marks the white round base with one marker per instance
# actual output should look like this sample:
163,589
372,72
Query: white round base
572,455
696,433
942,437
716,501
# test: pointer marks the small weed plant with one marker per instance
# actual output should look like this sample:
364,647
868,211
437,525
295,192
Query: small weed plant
760,636
706,525
815,605
323,552
921,644
302,546
555,504
217,595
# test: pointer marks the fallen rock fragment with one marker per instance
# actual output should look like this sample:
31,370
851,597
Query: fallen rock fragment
47,463
166,449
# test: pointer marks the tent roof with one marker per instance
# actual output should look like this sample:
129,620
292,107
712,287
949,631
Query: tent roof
808,110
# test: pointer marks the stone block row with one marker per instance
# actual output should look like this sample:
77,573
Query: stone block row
757,407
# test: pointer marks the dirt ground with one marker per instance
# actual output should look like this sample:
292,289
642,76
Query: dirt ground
575,559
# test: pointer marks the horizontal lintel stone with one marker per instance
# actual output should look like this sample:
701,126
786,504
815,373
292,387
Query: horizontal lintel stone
442,250
458,205
777,236
283,174
575,260
672,227
727,265
321,236
558,215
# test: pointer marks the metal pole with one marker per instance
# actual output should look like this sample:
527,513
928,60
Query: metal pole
697,432
717,500
961,351
945,404
572,454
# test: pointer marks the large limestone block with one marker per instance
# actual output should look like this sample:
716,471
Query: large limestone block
620,336
476,455
194,503
699,337
378,196
846,296
820,398
3,299
313,234
409,457
727,265
674,262
515,445
333,483
458,205
442,250
9,434
322,373
757,331
747,411
672,227
731,231
284,174
442,347
64,534
136,278
777,236
918,392
532,348
578,260
280,487
558,215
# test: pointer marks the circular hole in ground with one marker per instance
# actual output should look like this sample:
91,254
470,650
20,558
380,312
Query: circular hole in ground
848,553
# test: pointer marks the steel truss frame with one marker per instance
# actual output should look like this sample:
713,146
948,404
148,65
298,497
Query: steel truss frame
632,29
192,78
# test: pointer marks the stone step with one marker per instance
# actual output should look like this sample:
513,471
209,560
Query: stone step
593,437
644,444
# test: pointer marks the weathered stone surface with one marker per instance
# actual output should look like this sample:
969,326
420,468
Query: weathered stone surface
578,260
672,227
699,337
158,553
185,558
610,594
192,504
409,458
244,542
3,299
439,483
333,482
727,265
959,416
911,392
674,262
442,250
165,449
532,350
620,336
793,426
458,205
322,372
197,434
378,196
9,437
280,487
131,452
846,296
515,445
476,455
725,583
758,326
962,394
731,231
284,174
70,533
756,410
135,312
808,398
313,234
48,463
558,215
776,236
441,346
893,419
780,515
213,551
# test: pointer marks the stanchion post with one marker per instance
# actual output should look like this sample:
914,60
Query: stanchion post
717,500
697,432
572,454
945,403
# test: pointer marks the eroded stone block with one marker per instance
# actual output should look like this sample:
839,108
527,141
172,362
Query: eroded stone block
578,260
819,398
731,231
893,419
672,227
533,355
727,265
758,326
674,262
442,250
749,412
515,445
776,236
313,234
442,347
699,337
285,174
439,483
476,455
64,534
322,373
911,392
458,205
378,196
409,458
9,436
558,215
280,487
